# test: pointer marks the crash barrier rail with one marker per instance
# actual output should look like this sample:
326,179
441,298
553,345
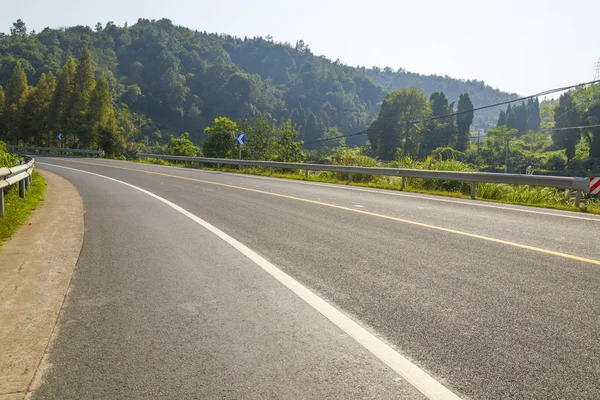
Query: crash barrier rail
59,150
580,185
19,174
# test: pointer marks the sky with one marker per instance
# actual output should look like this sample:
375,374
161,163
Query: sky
525,46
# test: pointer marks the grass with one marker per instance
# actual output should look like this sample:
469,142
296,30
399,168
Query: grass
16,209
541,197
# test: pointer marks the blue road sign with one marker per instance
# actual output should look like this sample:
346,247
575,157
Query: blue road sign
240,139
59,136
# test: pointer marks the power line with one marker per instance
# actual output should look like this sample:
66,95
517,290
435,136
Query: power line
561,89
575,127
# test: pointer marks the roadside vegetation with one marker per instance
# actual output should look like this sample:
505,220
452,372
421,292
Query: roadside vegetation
17,210
199,90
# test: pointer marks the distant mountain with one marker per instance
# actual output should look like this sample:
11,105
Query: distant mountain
183,79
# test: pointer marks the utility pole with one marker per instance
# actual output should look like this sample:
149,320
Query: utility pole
506,158
406,138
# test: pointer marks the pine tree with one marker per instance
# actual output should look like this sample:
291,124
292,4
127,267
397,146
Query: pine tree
100,114
533,115
83,85
37,128
2,101
566,115
16,96
59,108
511,118
521,115
464,121
501,119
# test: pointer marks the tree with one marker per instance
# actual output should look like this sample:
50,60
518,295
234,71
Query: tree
37,128
533,115
17,91
2,101
100,114
439,104
19,29
565,116
501,118
220,142
392,129
182,146
497,143
59,107
260,138
464,121
287,149
332,137
83,85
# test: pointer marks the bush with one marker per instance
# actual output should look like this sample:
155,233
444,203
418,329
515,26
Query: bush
182,146
556,161
448,153
6,159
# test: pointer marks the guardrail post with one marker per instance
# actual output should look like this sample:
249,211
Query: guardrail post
22,188
473,190
2,202
28,182
306,173
350,178
403,183
577,198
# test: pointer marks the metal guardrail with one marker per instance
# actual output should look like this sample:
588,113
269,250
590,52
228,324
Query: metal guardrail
54,150
580,185
10,176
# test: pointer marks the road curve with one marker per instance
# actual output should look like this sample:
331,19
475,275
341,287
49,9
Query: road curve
492,301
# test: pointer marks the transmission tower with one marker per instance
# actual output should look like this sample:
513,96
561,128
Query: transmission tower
597,69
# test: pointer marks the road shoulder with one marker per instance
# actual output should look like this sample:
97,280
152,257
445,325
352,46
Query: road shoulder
36,265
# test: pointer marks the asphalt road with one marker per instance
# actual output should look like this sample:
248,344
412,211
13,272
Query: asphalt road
493,301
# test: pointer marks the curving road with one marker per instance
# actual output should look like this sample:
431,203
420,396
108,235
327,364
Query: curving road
198,284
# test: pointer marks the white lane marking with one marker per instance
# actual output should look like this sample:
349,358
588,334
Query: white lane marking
414,375
478,203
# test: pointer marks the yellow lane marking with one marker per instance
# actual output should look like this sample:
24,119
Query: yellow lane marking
438,228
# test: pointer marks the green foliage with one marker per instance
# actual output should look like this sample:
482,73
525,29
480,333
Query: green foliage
17,91
18,209
100,114
59,107
464,121
6,159
448,153
388,132
523,117
566,115
220,142
286,146
182,146
556,161
37,128
184,79
77,131
2,101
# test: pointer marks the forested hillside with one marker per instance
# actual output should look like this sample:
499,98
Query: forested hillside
171,79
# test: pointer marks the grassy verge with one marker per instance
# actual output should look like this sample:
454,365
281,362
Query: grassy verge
499,193
16,209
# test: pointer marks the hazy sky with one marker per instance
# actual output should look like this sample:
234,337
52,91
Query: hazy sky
524,46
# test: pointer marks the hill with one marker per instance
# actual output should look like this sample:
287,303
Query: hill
182,79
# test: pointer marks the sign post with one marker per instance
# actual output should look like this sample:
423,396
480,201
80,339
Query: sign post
240,140
59,137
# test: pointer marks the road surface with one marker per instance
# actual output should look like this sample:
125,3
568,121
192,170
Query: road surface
490,301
